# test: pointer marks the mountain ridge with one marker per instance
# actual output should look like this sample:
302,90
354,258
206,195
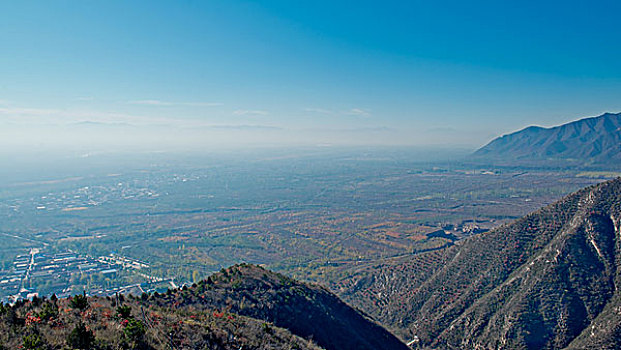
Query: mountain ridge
548,280
307,310
243,306
593,140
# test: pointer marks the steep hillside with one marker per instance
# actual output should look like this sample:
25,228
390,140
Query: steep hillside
308,311
590,140
133,323
383,288
242,307
547,281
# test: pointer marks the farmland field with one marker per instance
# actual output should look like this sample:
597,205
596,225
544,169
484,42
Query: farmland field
312,215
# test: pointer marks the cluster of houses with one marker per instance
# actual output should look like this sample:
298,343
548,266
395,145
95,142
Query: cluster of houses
40,273
11,282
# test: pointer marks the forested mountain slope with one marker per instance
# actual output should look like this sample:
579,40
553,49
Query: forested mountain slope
242,307
307,310
547,281
594,140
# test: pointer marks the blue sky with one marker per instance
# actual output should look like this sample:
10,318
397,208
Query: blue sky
308,72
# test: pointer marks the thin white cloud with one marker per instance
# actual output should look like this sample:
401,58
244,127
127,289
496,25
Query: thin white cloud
27,115
169,103
371,129
243,127
27,112
319,110
358,112
442,129
150,103
249,112
201,104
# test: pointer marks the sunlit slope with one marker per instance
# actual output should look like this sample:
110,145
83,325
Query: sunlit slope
594,140
244,306
307,310
548,280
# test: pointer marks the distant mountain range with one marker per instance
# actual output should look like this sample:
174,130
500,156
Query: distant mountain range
551,280
594,140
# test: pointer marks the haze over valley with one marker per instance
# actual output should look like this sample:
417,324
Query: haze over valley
309,175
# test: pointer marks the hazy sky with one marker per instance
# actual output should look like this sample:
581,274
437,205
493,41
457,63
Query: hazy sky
306,72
